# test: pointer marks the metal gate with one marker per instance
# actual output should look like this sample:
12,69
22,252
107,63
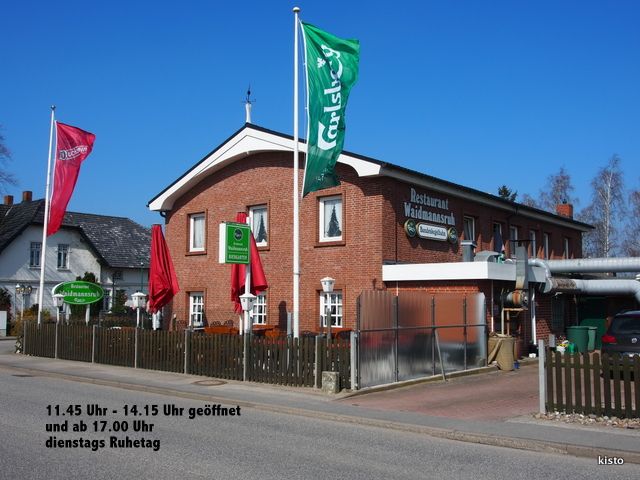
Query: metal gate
417,334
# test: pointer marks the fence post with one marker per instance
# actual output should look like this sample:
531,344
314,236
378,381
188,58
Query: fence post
317,370
24,337
542,381
135,348
354,360
93,344
187,350
55,345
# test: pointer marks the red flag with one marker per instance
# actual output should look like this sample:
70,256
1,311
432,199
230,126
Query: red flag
258,279
72,147
163,283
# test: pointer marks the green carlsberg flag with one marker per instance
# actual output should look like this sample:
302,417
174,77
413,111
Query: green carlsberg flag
332,69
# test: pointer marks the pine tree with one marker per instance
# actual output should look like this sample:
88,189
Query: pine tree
334,226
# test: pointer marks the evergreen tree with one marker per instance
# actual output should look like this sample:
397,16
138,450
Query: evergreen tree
334,226
508,194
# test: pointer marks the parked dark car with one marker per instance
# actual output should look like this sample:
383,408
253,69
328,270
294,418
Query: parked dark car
623,335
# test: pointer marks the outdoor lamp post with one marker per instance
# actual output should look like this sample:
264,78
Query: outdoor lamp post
139,300
246,301
23,290
58,300
327,287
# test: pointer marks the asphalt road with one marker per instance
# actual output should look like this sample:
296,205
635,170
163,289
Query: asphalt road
253,445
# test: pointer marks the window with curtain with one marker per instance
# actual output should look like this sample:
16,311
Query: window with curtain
259,217
196,232
331,219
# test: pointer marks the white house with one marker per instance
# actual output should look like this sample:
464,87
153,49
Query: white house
115,249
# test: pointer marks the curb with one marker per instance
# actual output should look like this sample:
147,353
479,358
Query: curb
442,433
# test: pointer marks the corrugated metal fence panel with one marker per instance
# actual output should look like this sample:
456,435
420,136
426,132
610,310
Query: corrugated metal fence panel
449,317
476,331
377,337
415,335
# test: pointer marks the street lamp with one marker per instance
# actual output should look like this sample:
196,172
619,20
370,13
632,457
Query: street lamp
246,301
327,287
23,290
139,300
58,300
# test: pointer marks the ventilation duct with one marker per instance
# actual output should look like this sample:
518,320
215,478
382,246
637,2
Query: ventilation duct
597,287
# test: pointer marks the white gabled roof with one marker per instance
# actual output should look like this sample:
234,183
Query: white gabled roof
247,141
252,139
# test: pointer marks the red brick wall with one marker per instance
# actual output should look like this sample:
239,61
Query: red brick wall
373,219
355,262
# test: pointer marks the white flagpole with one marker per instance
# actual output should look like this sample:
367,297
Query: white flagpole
46,219
296,198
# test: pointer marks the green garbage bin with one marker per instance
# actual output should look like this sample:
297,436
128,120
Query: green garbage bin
591,342
580,337
599,323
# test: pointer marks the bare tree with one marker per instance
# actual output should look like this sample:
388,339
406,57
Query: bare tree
632,244
6,178
528,200
606,209
559,190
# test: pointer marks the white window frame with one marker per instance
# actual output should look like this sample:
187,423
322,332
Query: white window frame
193,218
196,309
545,245
534,244
336,307
467,220
255,228
35,253
322,202
259,312
63,254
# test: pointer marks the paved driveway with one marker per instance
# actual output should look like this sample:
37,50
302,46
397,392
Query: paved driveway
489,396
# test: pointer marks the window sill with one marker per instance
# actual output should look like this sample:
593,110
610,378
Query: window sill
335,243
63,269
198,252
263,248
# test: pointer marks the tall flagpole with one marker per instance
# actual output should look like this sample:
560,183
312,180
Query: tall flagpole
46,219
296,196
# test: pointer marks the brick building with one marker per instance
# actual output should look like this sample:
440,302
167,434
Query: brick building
379,229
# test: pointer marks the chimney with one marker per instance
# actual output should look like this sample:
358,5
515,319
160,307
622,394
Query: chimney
565,209
27,196
8,199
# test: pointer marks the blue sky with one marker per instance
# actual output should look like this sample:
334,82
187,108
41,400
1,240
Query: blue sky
478,93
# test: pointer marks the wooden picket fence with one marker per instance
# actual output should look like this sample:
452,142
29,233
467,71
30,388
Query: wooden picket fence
277,360
595,383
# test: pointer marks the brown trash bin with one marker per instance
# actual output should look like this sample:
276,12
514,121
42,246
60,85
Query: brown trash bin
501,349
